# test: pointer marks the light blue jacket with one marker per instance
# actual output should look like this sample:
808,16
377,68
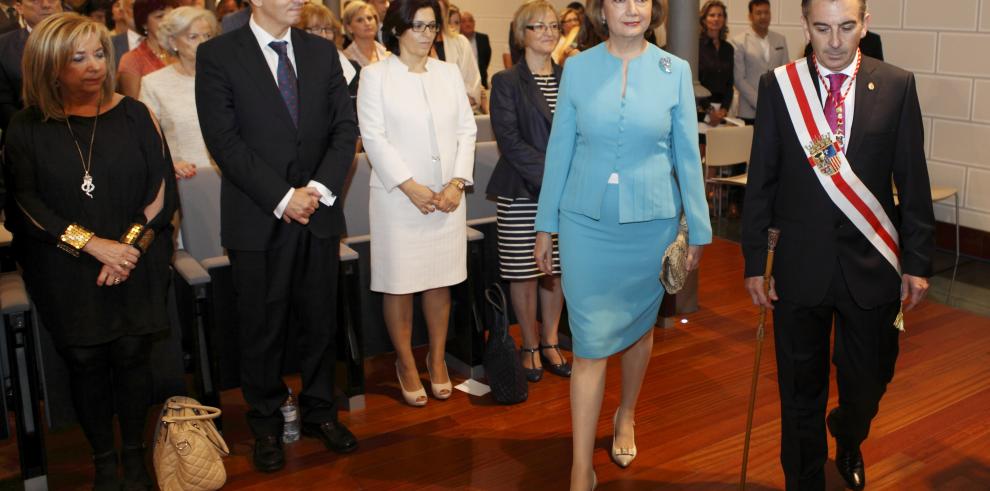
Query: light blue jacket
645,137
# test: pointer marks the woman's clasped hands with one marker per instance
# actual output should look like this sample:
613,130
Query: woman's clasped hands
427,201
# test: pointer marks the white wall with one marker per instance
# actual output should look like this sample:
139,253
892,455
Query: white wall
946,43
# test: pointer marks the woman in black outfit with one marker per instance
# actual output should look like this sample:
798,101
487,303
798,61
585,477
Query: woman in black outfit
523,100
715,60
92,192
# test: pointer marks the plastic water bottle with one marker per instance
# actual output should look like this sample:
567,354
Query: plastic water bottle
290,412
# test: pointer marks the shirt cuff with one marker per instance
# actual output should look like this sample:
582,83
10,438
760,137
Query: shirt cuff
280,209
327,198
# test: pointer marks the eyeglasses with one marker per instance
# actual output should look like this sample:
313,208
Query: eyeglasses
321,31
423,26
541,28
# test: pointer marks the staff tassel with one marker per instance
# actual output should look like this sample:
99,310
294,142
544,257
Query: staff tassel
772,237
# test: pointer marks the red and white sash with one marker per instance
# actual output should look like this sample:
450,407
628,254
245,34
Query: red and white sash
828,160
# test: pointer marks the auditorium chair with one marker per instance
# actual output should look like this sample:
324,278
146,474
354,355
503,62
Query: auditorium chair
208,310
485,132
726,146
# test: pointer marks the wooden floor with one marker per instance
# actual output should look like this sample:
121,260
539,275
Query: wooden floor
933,431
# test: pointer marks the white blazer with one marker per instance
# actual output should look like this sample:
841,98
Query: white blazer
393,133
749,65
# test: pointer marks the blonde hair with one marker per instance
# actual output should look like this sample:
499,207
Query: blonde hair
525,14
177,21
314,12
353,9
49,49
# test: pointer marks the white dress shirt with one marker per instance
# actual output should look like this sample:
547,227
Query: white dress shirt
271,57
850,102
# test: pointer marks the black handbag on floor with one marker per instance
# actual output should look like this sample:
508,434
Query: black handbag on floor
502,366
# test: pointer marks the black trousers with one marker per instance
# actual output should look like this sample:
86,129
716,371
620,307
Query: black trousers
866,346
107,378
296,278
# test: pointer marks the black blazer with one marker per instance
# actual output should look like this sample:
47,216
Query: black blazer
521,120
782,190
259,150
484,55
11,52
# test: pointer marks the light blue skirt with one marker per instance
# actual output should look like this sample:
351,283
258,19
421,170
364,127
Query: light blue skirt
611,276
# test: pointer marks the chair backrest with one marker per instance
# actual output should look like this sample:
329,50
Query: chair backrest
507,60
485,133
356,197
728,145
485,157
199,199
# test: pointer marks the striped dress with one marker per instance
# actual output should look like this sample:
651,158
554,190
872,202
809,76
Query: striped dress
516,218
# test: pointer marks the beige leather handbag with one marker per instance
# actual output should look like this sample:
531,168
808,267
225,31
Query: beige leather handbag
189,451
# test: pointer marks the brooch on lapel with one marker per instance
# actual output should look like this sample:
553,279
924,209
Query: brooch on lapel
665,63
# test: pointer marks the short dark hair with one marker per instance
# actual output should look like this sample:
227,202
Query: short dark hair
576,6
806,6
144,8
753,3
399,18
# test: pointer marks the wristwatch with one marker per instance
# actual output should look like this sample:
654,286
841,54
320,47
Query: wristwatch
458,183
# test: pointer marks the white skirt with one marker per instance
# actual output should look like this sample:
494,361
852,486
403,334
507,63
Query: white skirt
412,252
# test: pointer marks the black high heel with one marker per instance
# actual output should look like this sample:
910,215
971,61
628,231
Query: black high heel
532,374
562,369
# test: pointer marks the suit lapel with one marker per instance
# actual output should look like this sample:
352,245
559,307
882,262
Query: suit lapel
254,61
533,90
865,100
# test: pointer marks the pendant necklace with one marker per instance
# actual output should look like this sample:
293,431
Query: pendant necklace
87,185
840,102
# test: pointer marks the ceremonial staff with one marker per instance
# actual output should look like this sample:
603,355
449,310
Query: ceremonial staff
772,237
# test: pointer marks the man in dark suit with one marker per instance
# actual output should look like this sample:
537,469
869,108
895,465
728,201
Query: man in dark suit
276,115
480,43
836,260
11,52
236,20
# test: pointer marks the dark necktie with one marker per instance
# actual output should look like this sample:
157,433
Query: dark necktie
835,82
287,79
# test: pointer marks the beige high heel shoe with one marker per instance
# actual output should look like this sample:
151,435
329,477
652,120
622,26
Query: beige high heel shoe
416,398
440,391
622,456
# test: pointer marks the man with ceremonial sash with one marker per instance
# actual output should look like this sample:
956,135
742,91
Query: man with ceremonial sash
835,132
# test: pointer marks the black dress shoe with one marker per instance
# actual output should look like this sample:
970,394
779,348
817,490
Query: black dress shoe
334,435
848,460
268,454
532,374
105,478
562,369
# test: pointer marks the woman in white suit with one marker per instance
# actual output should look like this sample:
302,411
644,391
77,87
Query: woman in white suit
419,133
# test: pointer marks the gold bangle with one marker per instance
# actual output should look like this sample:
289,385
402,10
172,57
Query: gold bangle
75,236
132,234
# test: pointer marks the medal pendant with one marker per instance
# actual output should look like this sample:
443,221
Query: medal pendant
87,185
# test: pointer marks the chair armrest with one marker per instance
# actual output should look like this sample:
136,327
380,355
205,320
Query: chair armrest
13,294
347,254
474,234
212,263
189,269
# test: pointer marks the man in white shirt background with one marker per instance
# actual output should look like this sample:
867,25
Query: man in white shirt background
758,50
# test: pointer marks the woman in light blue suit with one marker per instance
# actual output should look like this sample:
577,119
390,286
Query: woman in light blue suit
625,126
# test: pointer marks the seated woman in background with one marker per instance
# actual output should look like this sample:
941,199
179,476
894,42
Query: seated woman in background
91,196
419,133
170,92
149,56
523,101
319,20
361,21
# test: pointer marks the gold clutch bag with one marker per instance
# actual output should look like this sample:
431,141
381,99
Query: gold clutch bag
673,269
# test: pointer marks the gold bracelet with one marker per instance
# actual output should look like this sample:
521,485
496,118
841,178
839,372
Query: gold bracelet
132,234
74,237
